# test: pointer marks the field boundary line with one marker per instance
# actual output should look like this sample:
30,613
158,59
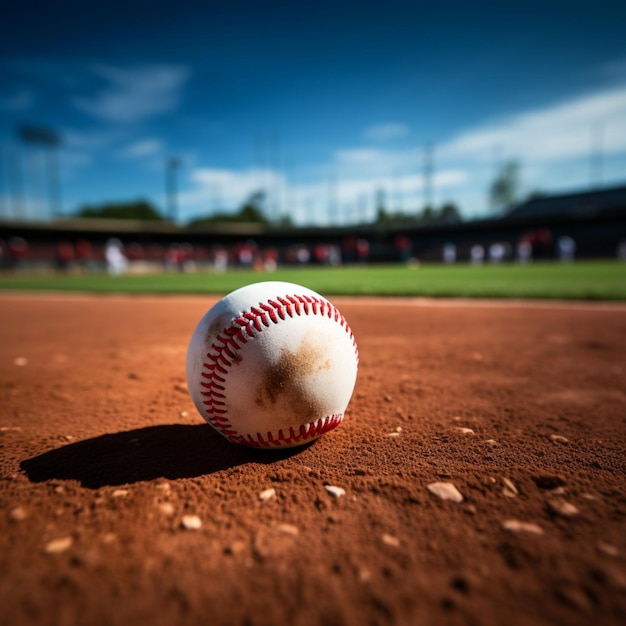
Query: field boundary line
408,301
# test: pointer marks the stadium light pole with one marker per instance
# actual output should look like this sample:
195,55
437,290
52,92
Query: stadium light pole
50,141
332,197
172,166
428,175
15,182
4,193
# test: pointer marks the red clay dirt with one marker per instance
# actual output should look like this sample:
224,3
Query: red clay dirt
105,460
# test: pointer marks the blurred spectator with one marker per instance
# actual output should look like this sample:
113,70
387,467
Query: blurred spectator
497,252
220,260
64,256
449,253
403,245
477,254
245,254
173,257
621,250
270,260
303,256
349,249
84,253
134,252
566,249
334,255
524,251
18,249
116,261
541,242
321,253
362,250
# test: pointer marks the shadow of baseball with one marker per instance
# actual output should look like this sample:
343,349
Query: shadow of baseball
169,451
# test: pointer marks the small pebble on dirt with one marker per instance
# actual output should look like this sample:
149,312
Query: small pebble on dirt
235,548
267,494
559,439
364,575
274,542
516,526
56,546
561,507
288,529
191,522
445,491
167,508
464,431
18,514
509,490
120,493
336,492
20,361
390,540
608,549
165,487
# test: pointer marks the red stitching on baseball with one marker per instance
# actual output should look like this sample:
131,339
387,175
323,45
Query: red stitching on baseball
225,346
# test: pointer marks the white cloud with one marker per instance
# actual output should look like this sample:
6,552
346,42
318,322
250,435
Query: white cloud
553,144
386,132
224,189
134,94
141,149
359,156
562,131
228,188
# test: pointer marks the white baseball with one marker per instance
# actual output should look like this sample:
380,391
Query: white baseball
271,365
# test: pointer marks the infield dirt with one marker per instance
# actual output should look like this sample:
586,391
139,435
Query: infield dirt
121,506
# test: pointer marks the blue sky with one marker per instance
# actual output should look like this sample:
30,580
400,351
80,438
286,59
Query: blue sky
322,104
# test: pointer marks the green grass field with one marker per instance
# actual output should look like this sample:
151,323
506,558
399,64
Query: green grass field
580,281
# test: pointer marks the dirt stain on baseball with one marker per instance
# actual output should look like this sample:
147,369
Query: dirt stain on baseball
284,381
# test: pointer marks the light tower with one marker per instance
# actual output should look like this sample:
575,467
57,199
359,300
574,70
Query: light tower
50,141
172,166
428,173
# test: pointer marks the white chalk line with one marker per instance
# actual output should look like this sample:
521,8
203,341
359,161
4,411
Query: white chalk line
409,301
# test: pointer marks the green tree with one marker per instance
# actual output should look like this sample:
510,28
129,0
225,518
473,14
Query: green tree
250,212
252,209
428,214
449,213
139,210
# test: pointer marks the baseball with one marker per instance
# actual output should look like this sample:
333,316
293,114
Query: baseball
272,365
